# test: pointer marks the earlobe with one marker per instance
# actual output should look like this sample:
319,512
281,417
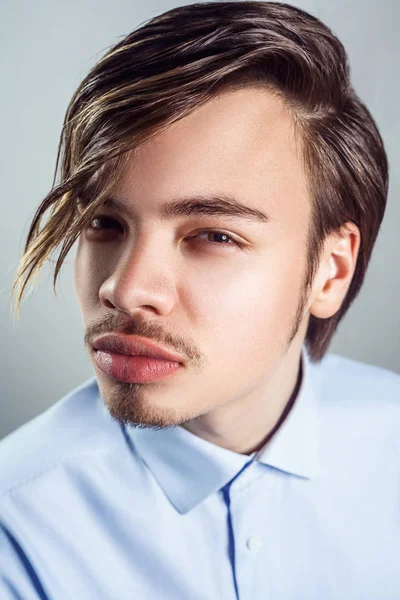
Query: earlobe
335,271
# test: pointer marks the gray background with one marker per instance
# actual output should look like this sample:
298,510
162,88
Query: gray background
47,47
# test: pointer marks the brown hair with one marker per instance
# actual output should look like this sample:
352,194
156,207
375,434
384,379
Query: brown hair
181,59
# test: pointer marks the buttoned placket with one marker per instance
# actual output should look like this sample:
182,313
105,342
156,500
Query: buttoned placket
245,533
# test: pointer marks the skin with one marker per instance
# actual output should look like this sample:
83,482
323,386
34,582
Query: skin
230,312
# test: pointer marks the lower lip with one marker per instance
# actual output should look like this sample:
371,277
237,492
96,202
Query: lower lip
134,369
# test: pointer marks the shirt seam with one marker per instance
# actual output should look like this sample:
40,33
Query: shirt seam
22,482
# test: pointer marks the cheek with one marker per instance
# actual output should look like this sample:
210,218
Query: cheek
87,277
257,301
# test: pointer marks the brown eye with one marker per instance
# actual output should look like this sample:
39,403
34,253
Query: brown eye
217,238
103,222
104,226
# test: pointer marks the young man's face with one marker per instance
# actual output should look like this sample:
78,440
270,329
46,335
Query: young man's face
230,312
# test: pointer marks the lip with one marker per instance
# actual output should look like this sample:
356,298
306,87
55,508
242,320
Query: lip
134,346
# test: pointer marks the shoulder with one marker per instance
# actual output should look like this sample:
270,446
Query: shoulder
359,381
359,406
73,425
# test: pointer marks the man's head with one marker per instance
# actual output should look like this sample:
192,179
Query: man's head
249,102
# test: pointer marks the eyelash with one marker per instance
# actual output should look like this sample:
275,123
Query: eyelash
234,242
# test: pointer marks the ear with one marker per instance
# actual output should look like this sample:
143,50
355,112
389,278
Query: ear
335,271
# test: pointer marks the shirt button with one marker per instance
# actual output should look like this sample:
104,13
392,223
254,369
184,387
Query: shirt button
253,543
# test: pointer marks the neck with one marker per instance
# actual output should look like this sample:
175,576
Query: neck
246,424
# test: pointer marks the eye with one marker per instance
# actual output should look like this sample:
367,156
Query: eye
102,225
222,238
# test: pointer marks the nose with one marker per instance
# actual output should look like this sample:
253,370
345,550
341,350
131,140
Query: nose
140,279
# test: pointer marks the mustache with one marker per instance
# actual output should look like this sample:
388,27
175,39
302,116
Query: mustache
114,323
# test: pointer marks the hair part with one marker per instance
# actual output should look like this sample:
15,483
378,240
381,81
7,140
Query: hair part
176,62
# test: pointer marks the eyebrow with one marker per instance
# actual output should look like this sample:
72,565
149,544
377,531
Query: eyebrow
215,205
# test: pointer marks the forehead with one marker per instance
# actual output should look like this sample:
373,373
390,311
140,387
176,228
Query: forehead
242,143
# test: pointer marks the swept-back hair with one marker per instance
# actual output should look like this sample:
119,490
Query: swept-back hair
179,60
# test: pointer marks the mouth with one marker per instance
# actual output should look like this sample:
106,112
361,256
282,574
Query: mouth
134,359
134,369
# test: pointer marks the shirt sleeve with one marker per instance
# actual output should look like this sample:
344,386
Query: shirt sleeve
18,579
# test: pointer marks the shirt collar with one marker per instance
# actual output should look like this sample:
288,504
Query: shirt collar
294,446
189,468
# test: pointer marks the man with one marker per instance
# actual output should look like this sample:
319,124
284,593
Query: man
226,187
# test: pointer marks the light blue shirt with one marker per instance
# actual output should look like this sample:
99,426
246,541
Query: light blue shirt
93,510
